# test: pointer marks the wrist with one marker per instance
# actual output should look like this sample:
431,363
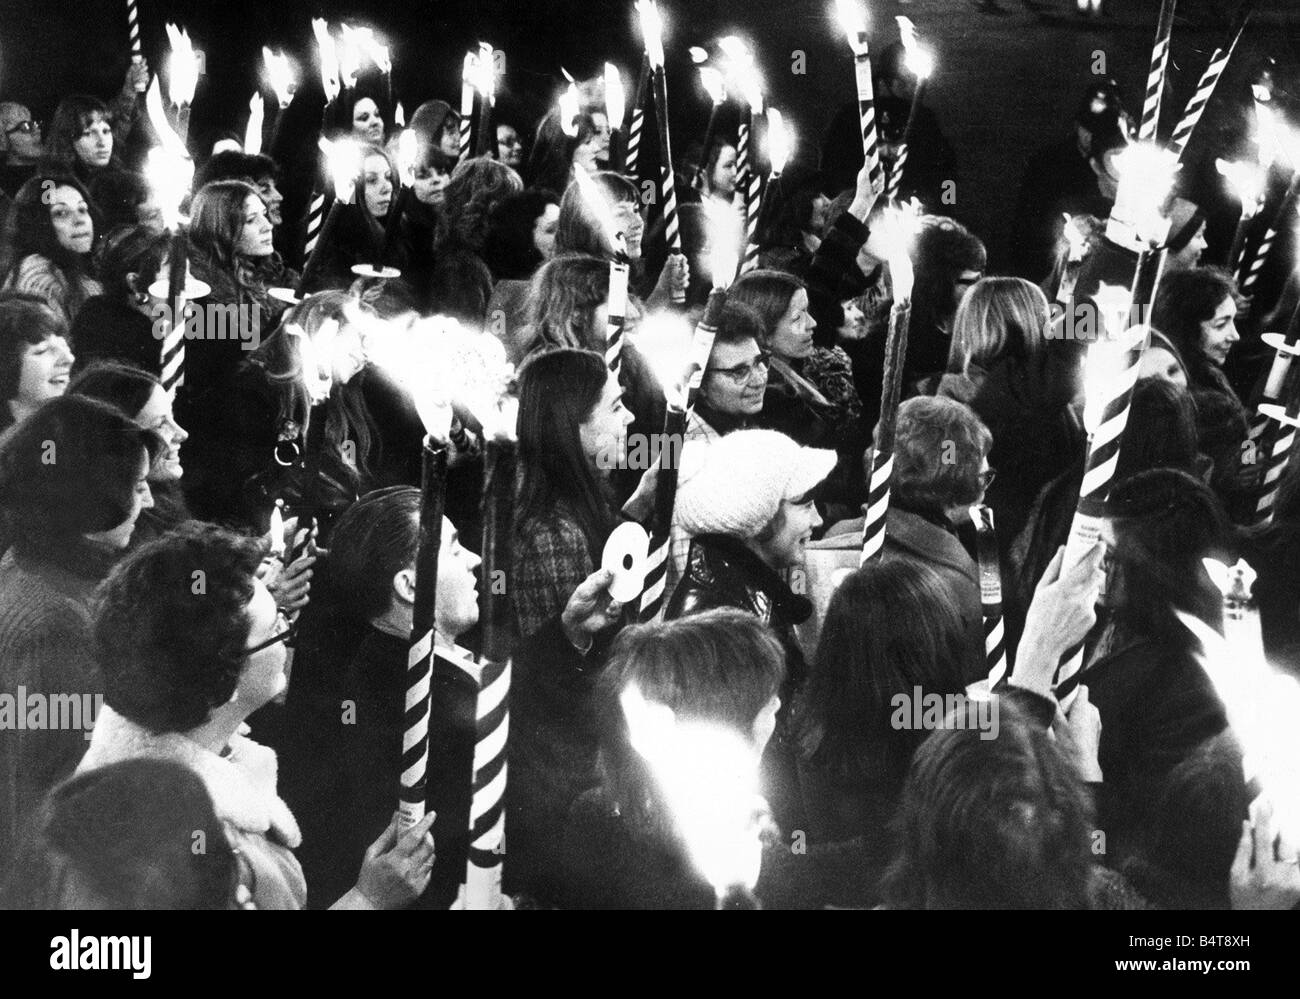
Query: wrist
581,641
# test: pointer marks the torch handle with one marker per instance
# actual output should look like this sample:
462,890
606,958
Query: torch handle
312,265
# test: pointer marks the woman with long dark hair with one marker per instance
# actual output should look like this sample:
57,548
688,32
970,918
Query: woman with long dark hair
359,236
571,421
82,142
46,245
555,152
35,360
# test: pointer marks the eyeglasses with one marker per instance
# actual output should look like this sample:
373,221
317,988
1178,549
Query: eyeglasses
285,632
26,127
986,478
742,373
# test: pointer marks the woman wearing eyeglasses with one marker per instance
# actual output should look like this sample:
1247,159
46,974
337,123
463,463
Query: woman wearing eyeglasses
184,666
46,245
20,146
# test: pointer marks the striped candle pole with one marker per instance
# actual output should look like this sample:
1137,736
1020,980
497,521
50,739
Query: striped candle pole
637,123
1204,89
867,109
1278,441
1287,345
1249,273
995,644
1271,435
672,233
173,345
619,269
419,662
466,103
896,173
1112,371
133,34
652,597
1156,75
752,181
882,454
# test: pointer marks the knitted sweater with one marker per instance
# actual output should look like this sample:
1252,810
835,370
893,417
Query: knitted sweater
38,275
45,654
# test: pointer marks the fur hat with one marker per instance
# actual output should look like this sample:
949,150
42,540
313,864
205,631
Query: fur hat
735,485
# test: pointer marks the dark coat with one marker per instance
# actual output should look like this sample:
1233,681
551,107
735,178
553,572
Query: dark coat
110,330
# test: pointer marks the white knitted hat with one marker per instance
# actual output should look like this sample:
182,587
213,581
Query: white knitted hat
735,485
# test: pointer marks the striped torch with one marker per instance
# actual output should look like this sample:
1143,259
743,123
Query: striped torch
749,85
1277,415
854,22
1156,75
652,32
598,206
133,34
901,224
1249,182
995,639
637,122
1204,91
469,71
920,61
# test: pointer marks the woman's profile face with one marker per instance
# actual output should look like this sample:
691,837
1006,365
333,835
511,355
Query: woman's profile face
44,372
256,231
723,180
156,415
627,215
544,230
70,216
141,500
94,146
1219,332
793,336
604,432
263,676
367,123
378,183
451,138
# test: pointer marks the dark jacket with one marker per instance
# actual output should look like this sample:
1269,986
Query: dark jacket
110,330
723,572
46,655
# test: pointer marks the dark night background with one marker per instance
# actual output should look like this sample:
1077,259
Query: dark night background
1006,83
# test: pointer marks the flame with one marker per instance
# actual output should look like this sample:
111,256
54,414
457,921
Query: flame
742,71
899,227
328,56
708,775
1146,176
615,97
256,118
570,107
485,78
852,17
182,66
374,49
277,528
399,115
1075,237
468,72
280,75
652,30
714,83
664,340
1277,141
351,49
920,60
725,233
1248,182
598,204
169,176
171,142
408,149
343,161
780,141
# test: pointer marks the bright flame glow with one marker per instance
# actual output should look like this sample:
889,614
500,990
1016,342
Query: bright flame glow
780,141
468,72
280,75
714,83
1146,176
570,106
664,340
1248,182
652,31
351,50
343,161
852,18
708,775
182,66
725,233
742,71
328,57
899,228
614,96
171,142
408,148
256,118
277,528
920,60
368,42
399,115
599,205
1075,237
1107,354
698,55
485,76
169,177
1276,139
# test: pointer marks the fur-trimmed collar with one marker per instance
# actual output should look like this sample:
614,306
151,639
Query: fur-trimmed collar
242,783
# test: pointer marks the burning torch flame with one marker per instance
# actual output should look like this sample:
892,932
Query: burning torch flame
1075,237
350,51
328,56
780,141
652,30
899,228
920,60
724,227
366,40
343,161
1276,140
853,21
615,97
468,72
664,340
598,204
698,55
182,67
708,775
715,85
570,107
171,142
280,75
169,175
1248,181
256,117
1146,175
485,79
399,115
408,147
742,71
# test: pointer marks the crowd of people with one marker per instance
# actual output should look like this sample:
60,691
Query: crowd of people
224,572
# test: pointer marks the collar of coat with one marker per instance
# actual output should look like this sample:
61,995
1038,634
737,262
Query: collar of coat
911,532
721,552
242,783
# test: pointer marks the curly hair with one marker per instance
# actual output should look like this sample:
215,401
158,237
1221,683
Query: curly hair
477,186
29,229
1184,301
991,823
71,469
134,249
508,249
563,298
944,249
938,448
721,667
171,626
